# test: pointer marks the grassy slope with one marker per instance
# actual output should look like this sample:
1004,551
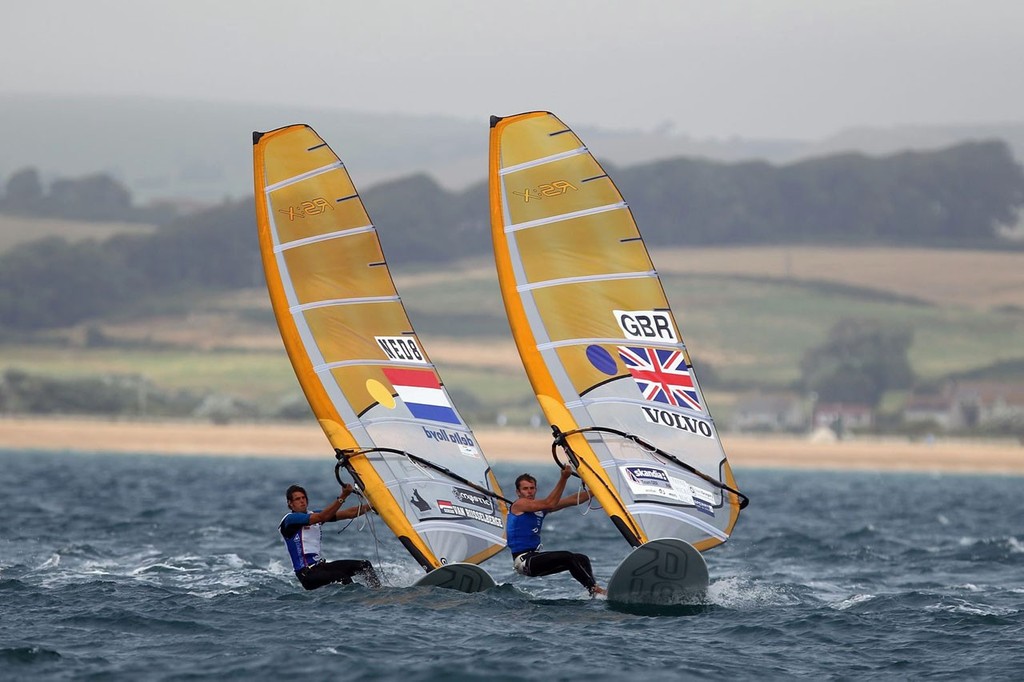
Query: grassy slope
752,325
16,230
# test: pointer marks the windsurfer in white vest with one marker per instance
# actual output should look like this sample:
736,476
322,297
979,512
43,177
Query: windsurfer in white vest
523,532
302,534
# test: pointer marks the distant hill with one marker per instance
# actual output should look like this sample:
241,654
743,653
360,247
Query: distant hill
201,151
957,196
877,141
15,230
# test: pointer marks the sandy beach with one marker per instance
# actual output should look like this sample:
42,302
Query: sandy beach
501,445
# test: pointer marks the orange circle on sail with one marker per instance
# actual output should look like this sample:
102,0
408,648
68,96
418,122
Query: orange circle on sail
380,393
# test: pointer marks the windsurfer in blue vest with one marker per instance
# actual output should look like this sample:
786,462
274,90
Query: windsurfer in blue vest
523,532
302,533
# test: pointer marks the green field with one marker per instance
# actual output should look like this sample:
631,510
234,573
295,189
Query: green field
15,230
756,332
750,332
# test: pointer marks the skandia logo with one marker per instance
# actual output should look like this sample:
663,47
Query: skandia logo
473,497
445,436
646,475
677,421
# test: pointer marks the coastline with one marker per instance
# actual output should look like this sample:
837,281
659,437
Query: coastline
306,441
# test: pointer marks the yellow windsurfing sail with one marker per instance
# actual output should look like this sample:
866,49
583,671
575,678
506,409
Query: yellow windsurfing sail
361,366
599,341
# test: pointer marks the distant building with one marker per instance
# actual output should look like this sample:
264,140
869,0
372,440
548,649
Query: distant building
986,403
931,409
774,412
967,405
843,417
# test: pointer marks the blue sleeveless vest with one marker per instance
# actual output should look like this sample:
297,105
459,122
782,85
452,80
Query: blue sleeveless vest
523,531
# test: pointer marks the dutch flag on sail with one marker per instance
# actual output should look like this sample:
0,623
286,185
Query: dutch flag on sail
421,392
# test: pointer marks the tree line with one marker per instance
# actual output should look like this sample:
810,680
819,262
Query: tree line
93,197
957,196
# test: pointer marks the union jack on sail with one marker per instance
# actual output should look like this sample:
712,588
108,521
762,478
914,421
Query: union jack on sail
662,375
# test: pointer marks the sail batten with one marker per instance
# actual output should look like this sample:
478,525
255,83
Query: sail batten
565,216
332,302
598,339
543,161
590,341
367,421
677,409
304,176
696,523
589,278
367,378
322,238
364,362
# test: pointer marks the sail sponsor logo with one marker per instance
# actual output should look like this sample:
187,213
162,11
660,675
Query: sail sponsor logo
550,189
677,421
401,348
702,506
450,509
650,481
646,325
446,436
649,476
473,497
694,496
307,208
703,500
418,501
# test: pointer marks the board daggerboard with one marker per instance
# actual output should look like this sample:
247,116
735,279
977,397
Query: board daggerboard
665,571
460,576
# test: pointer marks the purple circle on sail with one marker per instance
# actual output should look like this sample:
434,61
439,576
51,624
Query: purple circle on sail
602,360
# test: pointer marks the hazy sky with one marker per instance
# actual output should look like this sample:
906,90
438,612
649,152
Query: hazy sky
768,68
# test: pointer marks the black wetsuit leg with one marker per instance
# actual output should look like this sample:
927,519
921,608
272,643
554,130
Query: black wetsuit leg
341,571
547,563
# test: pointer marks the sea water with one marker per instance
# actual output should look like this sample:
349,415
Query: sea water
167,568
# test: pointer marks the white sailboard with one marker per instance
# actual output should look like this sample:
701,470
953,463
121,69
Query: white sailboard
665,571
461,577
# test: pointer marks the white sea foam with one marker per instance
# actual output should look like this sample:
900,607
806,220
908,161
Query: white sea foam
738,593
156,566
828,591
280,568
964,606
852,601
402,574
52,562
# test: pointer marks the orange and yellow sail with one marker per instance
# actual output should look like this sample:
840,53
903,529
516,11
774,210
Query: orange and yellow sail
367,377
598,339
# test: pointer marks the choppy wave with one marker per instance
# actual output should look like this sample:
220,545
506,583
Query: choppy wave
171,568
